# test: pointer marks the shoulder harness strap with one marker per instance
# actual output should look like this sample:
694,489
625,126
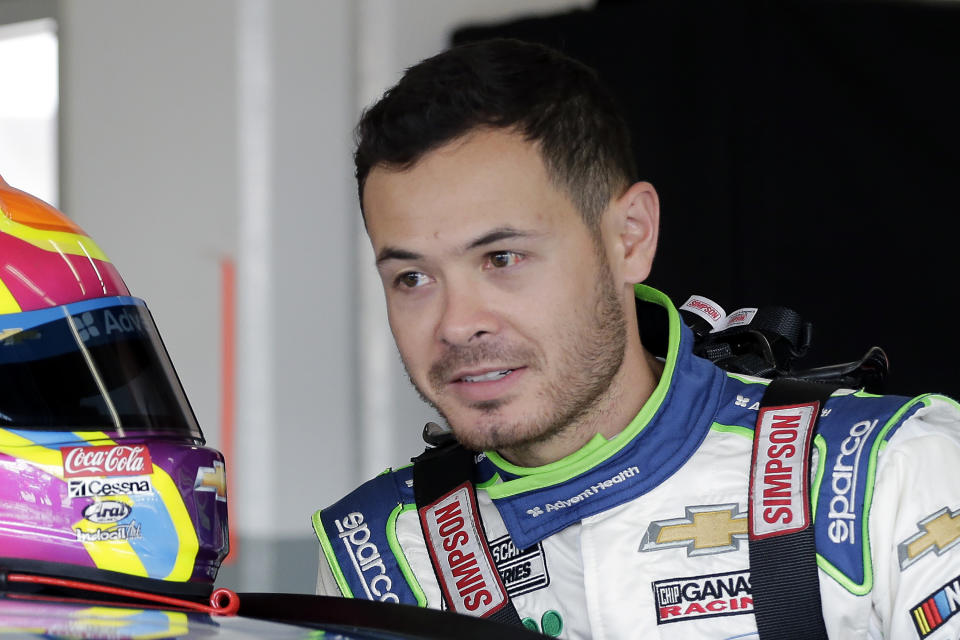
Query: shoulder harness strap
450,519
783,556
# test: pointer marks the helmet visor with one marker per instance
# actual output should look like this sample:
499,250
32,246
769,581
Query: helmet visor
91,365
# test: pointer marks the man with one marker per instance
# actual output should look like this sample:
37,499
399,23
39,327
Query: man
510,231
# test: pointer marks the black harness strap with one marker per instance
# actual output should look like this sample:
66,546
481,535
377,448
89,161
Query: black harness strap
438,474
783,556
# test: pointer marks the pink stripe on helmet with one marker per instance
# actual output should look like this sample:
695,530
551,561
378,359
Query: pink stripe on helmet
39,279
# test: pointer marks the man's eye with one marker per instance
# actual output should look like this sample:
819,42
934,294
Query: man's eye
502,259
411,279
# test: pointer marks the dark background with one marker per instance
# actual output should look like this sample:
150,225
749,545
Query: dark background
806,154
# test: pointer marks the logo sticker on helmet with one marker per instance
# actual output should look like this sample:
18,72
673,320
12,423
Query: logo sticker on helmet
106,511
102,323
120,532
86,326
212,479
95,487
108,460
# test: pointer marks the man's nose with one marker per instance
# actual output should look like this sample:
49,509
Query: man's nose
466,317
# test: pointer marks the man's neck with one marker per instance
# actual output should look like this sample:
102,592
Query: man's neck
613,411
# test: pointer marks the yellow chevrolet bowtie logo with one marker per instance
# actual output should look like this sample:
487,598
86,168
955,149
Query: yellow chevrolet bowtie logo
705,530
212,479
8,333
938,532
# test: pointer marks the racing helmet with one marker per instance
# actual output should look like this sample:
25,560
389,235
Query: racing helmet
104,476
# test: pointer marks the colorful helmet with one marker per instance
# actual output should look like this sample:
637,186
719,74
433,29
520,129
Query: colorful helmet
103,472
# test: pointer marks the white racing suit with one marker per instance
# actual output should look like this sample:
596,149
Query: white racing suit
645,535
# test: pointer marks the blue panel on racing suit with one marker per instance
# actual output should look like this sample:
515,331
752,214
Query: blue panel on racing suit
849,438
359,530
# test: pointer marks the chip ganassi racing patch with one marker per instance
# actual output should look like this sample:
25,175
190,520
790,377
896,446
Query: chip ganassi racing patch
706,596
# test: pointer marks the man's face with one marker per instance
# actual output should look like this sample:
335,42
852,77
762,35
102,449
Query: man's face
502,304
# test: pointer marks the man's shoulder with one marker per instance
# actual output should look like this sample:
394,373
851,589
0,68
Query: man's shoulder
741,399
857,432
376,500
358,538
888,418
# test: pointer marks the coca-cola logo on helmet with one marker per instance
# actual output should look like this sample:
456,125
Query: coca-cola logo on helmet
109,460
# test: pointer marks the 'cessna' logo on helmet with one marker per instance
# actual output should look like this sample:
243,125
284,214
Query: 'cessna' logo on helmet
110,460
96,487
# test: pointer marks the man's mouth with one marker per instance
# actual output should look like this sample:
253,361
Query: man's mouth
487,377
484,384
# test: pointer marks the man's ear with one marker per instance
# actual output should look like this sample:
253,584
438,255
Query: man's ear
637,221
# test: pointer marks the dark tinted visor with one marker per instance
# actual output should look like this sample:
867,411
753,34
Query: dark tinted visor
92,365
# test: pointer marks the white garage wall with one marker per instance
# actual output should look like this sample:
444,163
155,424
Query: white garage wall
28,112
198,132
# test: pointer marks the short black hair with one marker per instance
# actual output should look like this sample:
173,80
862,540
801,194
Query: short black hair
551,99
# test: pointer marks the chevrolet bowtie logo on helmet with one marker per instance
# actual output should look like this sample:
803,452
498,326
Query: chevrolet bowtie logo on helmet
212,479
9,333
705,530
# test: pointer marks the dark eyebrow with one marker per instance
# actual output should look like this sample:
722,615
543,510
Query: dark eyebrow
393,253
496,235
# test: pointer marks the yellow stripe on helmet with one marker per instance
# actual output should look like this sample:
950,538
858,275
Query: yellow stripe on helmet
48,240
51,460
112,555
97,438
189,543
19,447
8,304
168,624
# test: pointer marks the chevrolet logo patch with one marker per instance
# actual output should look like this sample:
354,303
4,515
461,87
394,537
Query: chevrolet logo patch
939,532
212,479
705,530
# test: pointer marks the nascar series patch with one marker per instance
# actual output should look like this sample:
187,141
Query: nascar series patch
934,611
521,570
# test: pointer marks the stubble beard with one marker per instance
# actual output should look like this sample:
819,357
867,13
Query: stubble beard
574,395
